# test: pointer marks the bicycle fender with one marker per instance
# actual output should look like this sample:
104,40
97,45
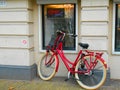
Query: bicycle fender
104,62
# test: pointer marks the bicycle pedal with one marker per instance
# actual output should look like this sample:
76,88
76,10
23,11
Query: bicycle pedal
66,79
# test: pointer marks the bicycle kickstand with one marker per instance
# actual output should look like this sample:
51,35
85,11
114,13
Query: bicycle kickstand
69,74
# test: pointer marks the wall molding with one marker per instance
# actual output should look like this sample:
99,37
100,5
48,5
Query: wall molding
17,35
31,49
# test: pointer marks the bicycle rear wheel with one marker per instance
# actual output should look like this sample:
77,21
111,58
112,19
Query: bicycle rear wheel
47,66
95,78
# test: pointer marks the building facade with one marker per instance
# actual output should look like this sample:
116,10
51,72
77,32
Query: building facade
27,25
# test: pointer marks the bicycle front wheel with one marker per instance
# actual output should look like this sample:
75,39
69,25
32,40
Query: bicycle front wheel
95,78
47,66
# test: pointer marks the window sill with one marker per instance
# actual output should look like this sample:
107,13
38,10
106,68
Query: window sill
65,51
115,53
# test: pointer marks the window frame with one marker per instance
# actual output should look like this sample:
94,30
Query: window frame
41,31
114,30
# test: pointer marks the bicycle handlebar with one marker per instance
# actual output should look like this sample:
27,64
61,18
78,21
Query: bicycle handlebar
73,35
62,32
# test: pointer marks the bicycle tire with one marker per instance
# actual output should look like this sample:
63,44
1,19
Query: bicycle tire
46,72
95,79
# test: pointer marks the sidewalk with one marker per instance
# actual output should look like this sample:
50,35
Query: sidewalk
54,84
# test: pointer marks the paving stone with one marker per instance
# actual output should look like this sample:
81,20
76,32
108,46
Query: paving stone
54,84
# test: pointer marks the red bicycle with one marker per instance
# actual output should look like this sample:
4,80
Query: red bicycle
88,69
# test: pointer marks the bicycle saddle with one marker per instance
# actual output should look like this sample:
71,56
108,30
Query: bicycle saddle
84,45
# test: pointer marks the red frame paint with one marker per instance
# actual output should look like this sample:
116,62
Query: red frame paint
57,49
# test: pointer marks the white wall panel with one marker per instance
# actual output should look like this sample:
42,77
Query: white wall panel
96,43
16,41
30,16
94,14
115,67
20,57
16,4
94,2
16,28
94,28
55,1
15,16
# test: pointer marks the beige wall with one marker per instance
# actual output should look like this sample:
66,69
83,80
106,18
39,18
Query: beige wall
16,33
20,27
114,59
95,26
106,34
92,28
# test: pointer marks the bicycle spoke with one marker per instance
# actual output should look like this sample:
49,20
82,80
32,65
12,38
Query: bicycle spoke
93,81
84,79
52,67
95,77
99,67
47,67
81,77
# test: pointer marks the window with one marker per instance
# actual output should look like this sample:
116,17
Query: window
117,28
58,17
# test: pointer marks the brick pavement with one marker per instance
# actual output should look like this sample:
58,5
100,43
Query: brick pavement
54,84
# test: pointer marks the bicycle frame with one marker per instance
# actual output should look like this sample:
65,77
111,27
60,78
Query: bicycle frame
66,61
58,50
89,68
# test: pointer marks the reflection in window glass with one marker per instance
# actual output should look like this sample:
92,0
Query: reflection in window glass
59,17
117,28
